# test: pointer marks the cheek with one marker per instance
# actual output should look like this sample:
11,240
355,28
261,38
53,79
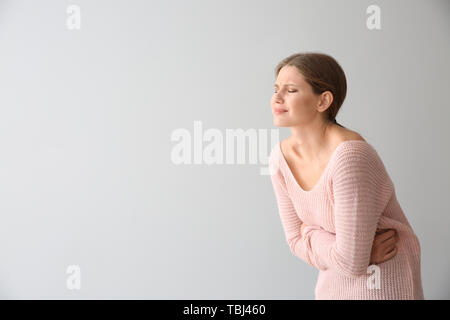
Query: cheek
300,100
296,100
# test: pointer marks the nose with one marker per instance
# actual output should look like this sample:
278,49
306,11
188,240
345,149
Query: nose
277,98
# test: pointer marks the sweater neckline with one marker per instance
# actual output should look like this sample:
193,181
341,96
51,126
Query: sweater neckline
339,146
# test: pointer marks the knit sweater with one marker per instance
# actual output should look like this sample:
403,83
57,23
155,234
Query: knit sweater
353,197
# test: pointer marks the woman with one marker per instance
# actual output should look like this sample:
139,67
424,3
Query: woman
336,201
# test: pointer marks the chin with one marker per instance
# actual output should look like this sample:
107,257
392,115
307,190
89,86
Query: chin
279,124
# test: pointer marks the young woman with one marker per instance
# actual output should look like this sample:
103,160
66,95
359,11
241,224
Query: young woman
336,201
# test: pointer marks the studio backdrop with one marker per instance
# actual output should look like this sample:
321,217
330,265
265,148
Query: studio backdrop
135,138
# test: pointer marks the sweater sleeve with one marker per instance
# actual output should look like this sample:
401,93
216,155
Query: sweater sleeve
299,245
361,188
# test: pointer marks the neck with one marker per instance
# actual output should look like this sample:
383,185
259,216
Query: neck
310,141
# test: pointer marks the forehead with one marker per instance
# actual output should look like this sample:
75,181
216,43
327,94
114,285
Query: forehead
289,74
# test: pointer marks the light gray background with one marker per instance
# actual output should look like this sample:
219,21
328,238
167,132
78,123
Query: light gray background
86,119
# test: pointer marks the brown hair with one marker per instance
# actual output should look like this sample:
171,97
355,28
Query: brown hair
323,73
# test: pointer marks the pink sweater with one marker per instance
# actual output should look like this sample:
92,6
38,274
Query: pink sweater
353,197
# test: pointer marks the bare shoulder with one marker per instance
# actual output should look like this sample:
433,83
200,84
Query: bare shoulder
344,134
355,136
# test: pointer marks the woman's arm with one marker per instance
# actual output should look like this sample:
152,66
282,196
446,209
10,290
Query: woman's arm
300,245
361,190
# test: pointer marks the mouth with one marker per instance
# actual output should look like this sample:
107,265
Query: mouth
279,111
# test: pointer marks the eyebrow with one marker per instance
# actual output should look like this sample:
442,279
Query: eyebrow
287,84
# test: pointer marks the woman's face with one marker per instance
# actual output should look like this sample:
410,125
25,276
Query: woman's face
294,95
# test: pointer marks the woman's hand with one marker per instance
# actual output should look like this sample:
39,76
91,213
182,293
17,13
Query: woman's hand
384,245
301,228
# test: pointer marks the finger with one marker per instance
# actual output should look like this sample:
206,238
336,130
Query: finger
387,235
388,250
380,231
384,247
379,238
390,254
388,243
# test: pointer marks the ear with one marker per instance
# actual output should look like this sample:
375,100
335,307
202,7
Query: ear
325,100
